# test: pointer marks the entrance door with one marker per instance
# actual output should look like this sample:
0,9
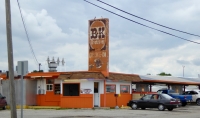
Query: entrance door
96,94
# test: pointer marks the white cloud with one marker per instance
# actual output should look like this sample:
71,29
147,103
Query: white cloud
62,31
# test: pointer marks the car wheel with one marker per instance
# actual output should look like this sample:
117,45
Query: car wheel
4,108
134,106
198,102
161,107
170,109
143,108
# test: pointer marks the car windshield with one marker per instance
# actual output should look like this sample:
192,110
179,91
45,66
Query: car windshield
166,96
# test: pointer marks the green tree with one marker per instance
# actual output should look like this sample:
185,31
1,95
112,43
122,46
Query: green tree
164,74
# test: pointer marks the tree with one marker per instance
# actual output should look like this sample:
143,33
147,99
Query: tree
164,74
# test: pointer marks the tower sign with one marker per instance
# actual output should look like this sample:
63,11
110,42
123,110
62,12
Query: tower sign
98,39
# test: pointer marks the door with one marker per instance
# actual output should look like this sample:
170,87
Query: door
144,102
194,95
96,94
154,101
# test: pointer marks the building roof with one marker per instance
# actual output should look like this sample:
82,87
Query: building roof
169,80
100,75
84,75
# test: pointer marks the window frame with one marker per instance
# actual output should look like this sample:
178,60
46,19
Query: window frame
128,89
69,95
55,85
111,85
51,87
50,84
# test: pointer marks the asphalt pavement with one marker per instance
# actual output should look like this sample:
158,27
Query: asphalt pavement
190,111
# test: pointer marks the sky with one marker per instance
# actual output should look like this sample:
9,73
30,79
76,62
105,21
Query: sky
59,29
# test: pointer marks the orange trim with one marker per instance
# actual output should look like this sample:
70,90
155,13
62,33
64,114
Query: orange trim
43,74
48,99
82,101
3,76
105,73
111,99
104,100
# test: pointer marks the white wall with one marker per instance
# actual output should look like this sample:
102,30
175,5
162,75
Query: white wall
118,86
41,84
88,84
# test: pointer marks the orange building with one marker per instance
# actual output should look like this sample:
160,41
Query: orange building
96,87
83,89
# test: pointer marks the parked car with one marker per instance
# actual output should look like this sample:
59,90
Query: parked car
160,101
195,95
3,102
184,99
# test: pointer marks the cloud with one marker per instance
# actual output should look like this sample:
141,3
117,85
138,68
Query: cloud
60,29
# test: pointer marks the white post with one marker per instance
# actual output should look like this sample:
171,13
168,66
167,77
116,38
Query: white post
61,86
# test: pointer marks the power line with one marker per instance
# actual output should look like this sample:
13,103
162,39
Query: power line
142,24
148,20
27,34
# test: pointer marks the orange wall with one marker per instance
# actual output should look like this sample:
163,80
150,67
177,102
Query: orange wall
82,101
48,99
110,100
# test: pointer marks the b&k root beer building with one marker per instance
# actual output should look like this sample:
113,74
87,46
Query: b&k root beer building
96,87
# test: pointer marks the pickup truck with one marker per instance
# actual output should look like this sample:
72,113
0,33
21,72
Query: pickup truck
184,99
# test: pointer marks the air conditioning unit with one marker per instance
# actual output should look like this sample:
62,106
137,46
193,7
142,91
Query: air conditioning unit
41,91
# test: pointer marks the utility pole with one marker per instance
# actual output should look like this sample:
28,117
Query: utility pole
10,60
39,66
183,70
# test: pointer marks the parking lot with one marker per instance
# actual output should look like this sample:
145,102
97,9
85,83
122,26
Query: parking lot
190,111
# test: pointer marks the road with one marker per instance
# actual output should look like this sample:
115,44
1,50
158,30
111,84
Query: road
190,111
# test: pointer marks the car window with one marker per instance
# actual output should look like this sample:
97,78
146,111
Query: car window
155,97
193,92
147,97
186,93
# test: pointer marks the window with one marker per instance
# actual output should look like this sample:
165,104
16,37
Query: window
155,97
193,92
147,97
49,87
49,84
57,88
124,89
71,89
110,88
